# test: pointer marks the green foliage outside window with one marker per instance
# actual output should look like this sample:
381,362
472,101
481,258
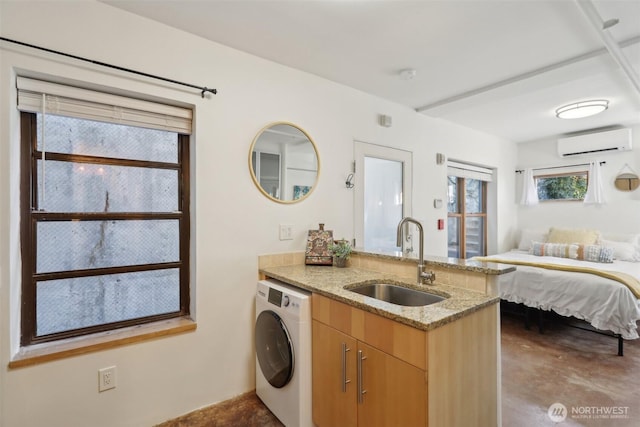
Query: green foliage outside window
562,187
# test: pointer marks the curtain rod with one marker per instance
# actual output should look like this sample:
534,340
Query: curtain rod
202,89
559,167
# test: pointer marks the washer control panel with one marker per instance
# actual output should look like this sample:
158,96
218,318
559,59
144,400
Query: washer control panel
281,299
284,297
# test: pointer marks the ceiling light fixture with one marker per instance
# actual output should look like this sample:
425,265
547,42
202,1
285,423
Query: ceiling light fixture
582,109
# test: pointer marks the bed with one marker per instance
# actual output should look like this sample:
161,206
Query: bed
590,291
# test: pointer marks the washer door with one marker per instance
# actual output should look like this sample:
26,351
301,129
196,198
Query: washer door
274,349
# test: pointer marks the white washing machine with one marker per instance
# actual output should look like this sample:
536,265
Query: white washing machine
283,351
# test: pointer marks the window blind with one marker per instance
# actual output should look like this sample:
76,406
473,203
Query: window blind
100,106
466,170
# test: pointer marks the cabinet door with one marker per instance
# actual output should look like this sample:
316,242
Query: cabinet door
334,386
394,393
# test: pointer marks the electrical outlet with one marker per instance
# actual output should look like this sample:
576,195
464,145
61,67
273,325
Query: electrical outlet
106,378
286,232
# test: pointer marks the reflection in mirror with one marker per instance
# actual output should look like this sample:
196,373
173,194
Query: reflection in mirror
284,162
627,182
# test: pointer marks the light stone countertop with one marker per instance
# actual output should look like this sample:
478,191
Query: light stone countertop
490,268
332,281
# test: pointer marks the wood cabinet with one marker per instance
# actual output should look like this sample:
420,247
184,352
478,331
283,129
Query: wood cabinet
395,392
334,377
407,377
358,384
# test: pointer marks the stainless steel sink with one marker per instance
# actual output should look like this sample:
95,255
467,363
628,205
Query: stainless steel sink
397,294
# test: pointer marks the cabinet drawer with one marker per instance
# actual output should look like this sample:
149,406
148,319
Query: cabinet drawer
400,340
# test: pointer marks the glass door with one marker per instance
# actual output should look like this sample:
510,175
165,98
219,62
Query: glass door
467,217
383,195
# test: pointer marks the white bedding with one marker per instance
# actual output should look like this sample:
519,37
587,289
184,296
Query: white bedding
606,304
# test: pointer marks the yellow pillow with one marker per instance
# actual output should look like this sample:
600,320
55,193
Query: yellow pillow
580,236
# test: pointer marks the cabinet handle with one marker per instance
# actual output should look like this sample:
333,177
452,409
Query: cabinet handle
361,392
345,381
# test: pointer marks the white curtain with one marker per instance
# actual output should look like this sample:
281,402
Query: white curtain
595,191
529,189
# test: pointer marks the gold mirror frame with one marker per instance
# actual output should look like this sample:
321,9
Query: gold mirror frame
627,182
253,161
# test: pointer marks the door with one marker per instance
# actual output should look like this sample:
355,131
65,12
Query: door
467,208
394,392
268,171
382,195
274,349
334,378
467,217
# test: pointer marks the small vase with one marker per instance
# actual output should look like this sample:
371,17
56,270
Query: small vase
339,262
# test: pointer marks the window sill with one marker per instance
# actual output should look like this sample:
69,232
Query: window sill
47,352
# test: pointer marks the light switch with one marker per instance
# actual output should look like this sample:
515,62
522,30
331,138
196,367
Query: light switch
286,232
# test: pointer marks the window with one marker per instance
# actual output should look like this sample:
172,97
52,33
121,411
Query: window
467,217
564,186
105,223
467,209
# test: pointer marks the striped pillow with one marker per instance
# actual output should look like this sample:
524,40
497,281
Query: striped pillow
593,253
560,250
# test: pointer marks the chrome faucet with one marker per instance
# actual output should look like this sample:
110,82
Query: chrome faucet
423,276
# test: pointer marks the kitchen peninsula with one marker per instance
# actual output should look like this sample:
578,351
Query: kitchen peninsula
377,363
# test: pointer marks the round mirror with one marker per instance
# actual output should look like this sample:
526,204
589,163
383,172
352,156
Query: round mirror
627,181
284,162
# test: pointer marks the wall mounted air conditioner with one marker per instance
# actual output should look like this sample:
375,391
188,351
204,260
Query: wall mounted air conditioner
595,143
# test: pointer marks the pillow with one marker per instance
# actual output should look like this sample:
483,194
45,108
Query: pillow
623,251
593,253
596,253
527,237
560,250
632,238
581,236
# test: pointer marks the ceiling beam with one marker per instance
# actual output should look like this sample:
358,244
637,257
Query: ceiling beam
524,76
612,46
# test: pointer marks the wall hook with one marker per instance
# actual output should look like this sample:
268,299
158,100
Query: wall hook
349,181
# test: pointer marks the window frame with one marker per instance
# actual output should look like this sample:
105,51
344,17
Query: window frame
31,216
462,214
584,172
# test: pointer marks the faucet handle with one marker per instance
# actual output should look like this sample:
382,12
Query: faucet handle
429,276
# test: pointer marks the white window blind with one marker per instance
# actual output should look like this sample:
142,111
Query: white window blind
466,170
100,106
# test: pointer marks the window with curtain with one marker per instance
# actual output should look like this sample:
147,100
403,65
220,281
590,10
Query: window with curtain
105,211
467,210
562,186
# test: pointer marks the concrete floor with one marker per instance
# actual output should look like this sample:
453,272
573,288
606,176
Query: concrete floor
564,365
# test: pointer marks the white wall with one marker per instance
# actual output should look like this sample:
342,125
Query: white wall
233,222
620,213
